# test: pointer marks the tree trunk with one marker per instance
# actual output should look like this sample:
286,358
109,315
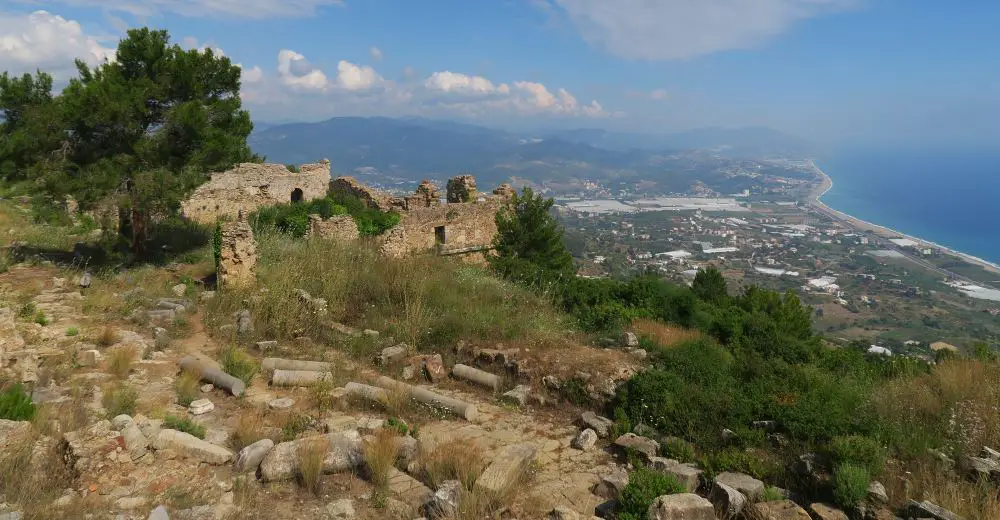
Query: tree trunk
139,233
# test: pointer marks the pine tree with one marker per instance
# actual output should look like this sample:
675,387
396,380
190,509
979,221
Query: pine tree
26,132
529,242
710,286
146,129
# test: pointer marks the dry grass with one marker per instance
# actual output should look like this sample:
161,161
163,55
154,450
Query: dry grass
188,387
380,456
249,429
322,394
426,299
398,402
477,503
310,454
106,337
954,408
33,475
929,481
247,501
119,399
663,334
457,460
120,361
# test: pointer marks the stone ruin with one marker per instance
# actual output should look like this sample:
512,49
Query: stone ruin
341,228
238,254
465,225
249,186
462,189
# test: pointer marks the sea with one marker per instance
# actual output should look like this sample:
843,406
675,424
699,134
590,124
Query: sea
951,197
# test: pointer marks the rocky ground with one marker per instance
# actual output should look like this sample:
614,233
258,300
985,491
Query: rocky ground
496,419
126,465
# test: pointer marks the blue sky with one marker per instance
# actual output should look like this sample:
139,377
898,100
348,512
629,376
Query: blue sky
835,71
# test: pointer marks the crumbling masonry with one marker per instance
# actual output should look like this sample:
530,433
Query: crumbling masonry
464,226
237,254
249,186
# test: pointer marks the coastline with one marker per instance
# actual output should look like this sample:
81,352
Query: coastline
815,200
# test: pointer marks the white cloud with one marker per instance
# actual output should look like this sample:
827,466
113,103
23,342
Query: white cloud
356,77
295,72
459,83
375,53
45,41
300,90
190,42
253,75
680,29
253,9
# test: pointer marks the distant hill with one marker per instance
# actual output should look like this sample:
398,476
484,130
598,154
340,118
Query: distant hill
735,142
410,149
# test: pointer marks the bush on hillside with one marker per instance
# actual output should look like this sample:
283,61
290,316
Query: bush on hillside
293,217
371,222
861,451
850,485
644,486
16,405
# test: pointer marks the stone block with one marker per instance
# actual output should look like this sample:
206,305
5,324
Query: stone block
643,445
191,447
749,486
682,506
779,510
585,440
250,457
509,466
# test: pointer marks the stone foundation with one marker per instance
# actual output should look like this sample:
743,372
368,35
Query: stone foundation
249,186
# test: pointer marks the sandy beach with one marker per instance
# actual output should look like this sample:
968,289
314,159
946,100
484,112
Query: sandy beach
815,200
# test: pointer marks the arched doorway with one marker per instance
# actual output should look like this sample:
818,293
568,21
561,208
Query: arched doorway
297,195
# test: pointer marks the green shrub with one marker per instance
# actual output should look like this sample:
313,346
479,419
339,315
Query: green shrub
850,485
16,405
184,424
770,494
371,222
72,331
860,451
293,218
677,449
120,400
41,319
294,425
622,424
237,363
736,460
643,487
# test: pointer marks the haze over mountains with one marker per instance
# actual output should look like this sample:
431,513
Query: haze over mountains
414,148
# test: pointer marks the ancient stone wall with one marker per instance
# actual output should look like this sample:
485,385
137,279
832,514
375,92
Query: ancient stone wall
371,196
249,186
341,228
238,254
451,227
461,229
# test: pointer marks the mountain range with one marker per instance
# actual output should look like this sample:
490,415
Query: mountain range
410,149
